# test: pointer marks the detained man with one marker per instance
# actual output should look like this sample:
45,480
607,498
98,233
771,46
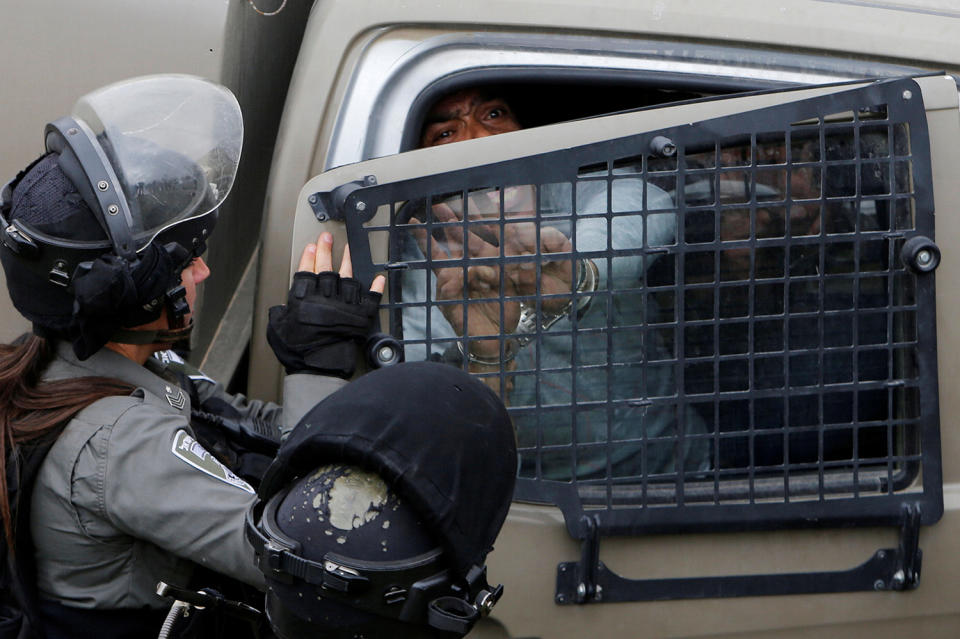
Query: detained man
558,316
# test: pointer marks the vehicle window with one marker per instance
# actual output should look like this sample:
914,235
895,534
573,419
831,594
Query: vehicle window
716,314
540,103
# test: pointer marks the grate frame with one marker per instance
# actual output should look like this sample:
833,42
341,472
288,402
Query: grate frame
819,493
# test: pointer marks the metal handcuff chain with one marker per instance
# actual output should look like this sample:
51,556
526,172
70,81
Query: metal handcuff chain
588,277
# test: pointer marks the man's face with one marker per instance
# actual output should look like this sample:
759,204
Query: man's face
466,115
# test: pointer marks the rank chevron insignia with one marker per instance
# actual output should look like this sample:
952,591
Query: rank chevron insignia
178,400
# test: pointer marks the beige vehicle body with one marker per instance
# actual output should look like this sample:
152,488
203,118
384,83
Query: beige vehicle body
336,92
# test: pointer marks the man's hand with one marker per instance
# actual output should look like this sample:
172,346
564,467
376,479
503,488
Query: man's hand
482,281
327,315
556,276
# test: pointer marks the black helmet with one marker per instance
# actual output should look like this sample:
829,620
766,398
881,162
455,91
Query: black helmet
95,233
417,461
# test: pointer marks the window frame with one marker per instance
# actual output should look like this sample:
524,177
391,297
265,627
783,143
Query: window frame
401,71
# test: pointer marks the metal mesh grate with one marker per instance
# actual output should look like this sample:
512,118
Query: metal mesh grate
711,315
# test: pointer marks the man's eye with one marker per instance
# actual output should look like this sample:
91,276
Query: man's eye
442,136
495,113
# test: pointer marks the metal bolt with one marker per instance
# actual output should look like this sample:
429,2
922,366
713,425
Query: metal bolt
113,209
563,569
485,603
102,185
663,146
582,590
881,554
72,131
878,584
561,599
370,180
312,199
360,205
907,94
924,257
386,354
598,594
899,578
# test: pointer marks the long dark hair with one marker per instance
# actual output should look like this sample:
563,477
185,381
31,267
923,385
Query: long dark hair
32,410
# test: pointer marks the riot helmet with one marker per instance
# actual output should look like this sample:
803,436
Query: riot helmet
94,234
376,516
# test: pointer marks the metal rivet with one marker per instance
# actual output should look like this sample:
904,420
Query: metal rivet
899,577
485,603
663,147
102,185
312,199
361,205
561,599
386,354
72,131
881,554
113,209
582,590
924,258
907,94
878,584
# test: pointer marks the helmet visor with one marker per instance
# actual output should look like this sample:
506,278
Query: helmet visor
174,143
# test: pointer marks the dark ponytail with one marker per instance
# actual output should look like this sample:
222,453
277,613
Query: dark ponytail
32,411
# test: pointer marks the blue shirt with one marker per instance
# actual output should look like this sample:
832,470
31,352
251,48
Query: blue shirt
622,395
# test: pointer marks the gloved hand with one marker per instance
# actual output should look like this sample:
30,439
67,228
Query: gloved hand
326,320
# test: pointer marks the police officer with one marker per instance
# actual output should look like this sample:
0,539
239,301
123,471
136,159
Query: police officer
101,245
379,526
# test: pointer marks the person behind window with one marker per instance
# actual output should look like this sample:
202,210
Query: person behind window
540,386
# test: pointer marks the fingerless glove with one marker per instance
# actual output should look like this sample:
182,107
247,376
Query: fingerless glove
325,321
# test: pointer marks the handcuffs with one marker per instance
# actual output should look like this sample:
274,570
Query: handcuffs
587,278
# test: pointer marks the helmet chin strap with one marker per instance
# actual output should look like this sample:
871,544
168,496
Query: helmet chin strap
179,331
149,336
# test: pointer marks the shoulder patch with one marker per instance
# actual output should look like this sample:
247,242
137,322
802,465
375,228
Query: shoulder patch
189,450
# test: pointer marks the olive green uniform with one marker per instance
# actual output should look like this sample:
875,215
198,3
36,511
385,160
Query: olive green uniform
127,497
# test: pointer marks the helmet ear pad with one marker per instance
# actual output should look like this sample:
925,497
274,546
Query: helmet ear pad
112,292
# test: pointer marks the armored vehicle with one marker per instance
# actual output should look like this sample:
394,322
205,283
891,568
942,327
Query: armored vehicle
733,411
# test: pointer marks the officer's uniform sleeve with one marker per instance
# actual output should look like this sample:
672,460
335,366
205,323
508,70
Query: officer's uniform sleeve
159,485
248,408
301,392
